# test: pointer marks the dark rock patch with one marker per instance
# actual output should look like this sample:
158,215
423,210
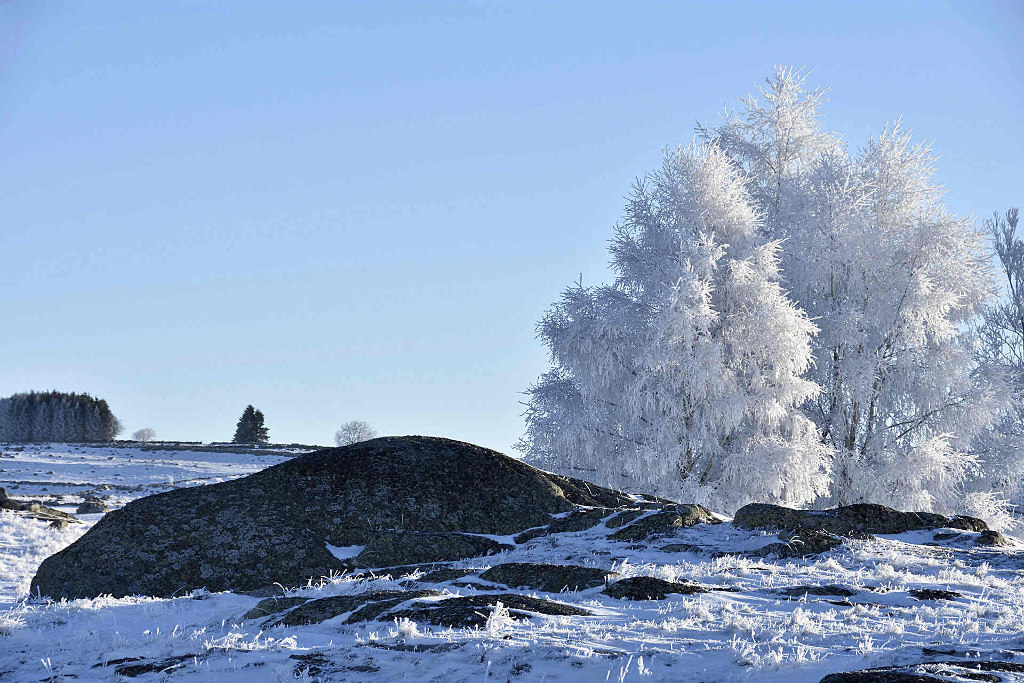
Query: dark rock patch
475,585
950,670
933,594
131,670
92,507
800,591
443,575
58,518
271,527
624,518
551,578
473,610
867,518
966,523
264,592
361,607
416,647
578,520
799,542
119,660
682,548
268,606
414,547
397,573
993,538
650,588
880,677
665,522
312,664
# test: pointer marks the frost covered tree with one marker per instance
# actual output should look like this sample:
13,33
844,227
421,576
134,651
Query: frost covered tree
683,377
144,435
354,432
1002,348
890,278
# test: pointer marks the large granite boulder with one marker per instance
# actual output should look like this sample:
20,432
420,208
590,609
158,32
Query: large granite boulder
274,526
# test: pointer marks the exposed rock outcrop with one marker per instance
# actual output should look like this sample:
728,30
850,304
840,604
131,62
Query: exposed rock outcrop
945,672
667,521
650,588
273,526
552,578
57,518
865,518
473,610
390,548
578,520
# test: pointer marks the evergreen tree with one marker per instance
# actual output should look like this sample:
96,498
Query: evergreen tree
250,428
261,431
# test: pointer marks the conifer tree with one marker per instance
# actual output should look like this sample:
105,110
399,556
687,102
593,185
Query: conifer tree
251,428
261,431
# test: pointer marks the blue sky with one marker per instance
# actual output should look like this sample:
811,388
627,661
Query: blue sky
342,211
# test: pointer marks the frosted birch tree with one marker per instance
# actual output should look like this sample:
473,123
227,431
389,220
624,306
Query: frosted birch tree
1002,348
684,376
890,278
354,432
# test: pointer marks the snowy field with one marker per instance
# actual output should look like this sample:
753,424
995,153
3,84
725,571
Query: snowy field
62,475
761,620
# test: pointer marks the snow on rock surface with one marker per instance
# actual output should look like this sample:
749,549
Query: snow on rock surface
868,603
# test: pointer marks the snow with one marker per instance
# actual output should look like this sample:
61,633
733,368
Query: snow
344,552
745,630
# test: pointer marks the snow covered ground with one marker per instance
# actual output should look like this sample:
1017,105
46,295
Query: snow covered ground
62,475
762,620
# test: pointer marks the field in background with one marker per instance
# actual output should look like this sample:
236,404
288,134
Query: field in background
63,475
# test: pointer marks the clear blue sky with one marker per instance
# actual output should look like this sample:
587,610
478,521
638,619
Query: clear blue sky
343,211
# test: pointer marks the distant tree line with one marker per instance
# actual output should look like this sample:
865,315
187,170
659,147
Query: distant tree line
56,416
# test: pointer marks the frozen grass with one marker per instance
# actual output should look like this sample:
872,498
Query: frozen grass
24,543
